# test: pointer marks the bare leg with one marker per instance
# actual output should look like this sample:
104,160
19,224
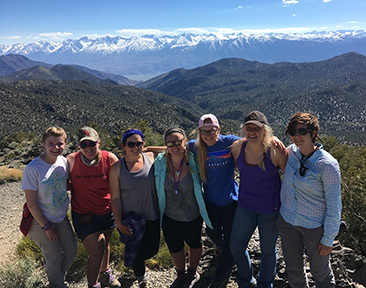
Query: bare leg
194,256
95,245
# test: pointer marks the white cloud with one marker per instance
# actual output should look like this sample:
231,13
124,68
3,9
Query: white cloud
338,26
13,37
239,7
287,2
294,15
55,34
352,22
326,1
139,32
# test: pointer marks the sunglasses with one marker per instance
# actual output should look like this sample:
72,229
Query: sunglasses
91,144
301,131
208,132
133,144
172,143
303,168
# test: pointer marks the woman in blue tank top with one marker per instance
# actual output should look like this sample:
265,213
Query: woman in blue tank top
259,199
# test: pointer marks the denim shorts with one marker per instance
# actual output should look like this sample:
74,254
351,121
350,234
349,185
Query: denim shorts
86,224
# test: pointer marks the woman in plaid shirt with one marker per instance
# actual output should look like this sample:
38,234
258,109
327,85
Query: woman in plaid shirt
310,204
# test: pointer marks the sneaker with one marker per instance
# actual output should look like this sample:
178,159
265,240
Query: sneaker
95,286
107,279
179,281
192,277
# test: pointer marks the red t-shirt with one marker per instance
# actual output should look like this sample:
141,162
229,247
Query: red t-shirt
90,186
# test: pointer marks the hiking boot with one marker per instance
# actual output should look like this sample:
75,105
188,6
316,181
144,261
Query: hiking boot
192,277
142,283
180,280
107,279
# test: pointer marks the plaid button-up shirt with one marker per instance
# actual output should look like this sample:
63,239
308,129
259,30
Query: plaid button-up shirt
312,200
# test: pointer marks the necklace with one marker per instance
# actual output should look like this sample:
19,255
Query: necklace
176,183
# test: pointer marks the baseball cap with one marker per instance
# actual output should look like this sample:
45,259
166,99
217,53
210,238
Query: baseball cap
88,133
257,118
214,121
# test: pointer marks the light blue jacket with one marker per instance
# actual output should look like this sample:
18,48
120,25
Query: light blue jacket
160,174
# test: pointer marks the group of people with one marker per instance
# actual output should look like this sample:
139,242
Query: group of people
179,186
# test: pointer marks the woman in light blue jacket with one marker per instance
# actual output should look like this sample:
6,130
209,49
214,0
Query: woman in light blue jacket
181,205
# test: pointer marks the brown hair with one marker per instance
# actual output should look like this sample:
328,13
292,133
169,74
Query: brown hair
307,119
167,154
54,132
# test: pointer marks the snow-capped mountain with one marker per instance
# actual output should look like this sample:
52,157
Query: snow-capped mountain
152,55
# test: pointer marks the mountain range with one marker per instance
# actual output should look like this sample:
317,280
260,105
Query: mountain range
141,58
333,89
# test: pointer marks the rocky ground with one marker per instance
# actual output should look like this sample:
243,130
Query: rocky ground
348,266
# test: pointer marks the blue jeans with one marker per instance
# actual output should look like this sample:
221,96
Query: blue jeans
221,218
245,222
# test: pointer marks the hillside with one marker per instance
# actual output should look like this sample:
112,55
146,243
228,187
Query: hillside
32,106
58,72
334,89
17,67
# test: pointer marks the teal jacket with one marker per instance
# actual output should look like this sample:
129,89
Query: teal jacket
160,174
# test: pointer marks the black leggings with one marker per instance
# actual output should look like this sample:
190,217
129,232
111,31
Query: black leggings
149,246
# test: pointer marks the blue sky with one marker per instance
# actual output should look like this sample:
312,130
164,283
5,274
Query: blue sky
24,21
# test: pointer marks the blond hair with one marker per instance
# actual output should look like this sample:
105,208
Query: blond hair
266,143
54,132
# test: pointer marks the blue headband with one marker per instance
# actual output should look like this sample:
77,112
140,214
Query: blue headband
130,133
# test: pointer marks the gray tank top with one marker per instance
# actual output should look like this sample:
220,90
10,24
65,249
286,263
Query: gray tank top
138,191
181,206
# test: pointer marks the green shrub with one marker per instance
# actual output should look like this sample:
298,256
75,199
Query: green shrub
23,273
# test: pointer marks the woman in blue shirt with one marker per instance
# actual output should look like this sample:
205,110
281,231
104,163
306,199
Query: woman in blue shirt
310,204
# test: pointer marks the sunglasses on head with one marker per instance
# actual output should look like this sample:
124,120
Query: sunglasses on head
301,131
133,144
208,132
92,144
172,143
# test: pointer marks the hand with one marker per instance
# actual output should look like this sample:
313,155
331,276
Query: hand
277,143
52,234
324,250
125,229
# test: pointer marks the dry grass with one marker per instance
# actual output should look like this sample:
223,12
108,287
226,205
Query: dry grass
10,174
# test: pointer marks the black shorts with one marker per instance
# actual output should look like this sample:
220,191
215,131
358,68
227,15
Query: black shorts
95,223
178,232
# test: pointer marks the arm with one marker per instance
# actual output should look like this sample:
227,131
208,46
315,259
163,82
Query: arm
331,179
31,198
154,149
116,198
277,143
278,158
112,158
151,156
235,148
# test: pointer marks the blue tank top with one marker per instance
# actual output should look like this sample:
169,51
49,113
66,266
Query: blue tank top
259,189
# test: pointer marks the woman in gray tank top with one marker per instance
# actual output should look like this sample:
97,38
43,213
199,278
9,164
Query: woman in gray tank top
181,205
132,185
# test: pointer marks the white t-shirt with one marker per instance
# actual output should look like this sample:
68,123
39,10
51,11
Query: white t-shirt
49,180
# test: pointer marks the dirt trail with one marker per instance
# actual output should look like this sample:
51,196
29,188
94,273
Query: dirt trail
11,204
